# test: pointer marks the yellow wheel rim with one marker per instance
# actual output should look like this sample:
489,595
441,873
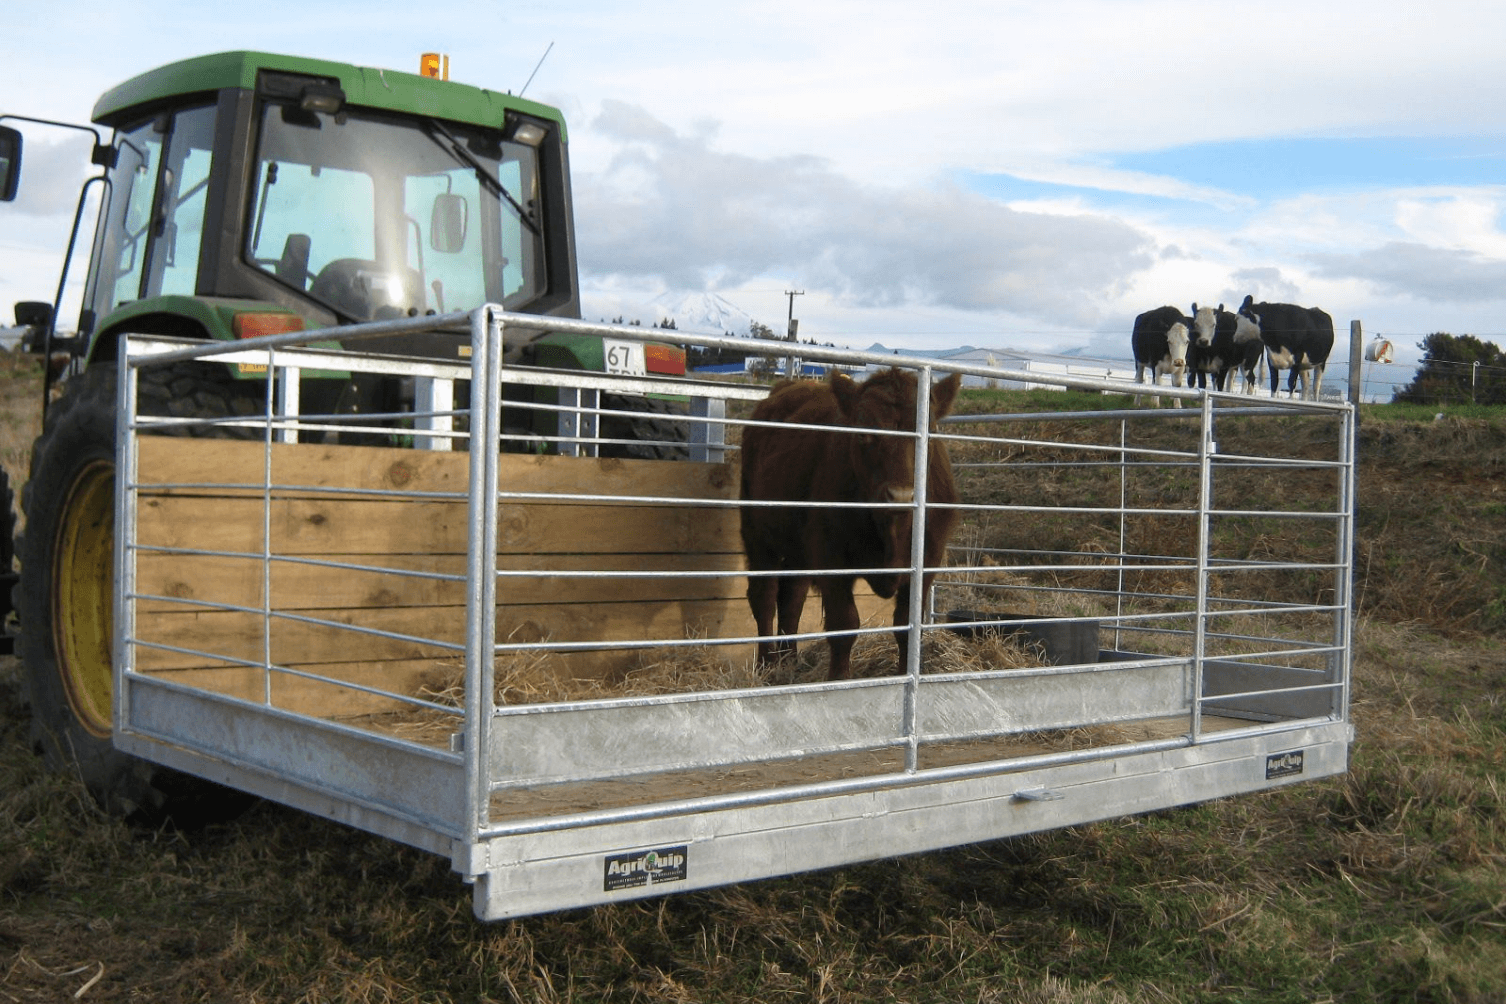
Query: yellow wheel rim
83,618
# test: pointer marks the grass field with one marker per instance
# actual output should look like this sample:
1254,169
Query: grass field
1385,884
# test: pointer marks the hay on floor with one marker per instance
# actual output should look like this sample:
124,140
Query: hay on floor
538,677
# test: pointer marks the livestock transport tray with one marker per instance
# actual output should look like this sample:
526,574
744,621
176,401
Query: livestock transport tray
532,654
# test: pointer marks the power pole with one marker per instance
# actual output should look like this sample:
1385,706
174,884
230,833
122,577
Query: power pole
791,364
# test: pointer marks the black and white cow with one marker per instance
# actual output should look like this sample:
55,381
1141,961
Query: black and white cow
1249,351
1223,344
1160,344
1206,355
1297,339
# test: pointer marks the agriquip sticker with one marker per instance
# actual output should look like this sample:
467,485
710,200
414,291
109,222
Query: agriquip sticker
641,868
1288,764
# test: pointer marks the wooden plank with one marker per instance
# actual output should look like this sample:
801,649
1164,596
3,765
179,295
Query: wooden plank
238,581
239,635
235,635
166,460
364,526
321,698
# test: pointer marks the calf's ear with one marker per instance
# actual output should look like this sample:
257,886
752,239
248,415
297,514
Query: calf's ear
847,391
943,395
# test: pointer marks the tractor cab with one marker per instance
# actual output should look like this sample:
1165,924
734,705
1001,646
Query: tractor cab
246,193
412,216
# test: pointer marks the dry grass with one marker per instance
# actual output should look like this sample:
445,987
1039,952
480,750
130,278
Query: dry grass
20,414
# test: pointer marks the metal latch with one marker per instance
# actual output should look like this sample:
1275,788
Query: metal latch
1038,795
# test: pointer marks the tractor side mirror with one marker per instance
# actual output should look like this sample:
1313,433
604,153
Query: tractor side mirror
33,314
36,317
10,163
447,225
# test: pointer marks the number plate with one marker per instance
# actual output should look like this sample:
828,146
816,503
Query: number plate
624,358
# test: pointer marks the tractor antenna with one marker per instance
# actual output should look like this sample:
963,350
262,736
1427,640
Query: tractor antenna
536,69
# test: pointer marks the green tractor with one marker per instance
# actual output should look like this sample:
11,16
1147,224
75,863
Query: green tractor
247,194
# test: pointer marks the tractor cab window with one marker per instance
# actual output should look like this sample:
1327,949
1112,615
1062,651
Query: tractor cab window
120,259
154,221
379,216
180,218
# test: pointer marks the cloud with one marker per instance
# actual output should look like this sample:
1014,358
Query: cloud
1437,275
1266,284
1041,88
1111,179
668,209
51,173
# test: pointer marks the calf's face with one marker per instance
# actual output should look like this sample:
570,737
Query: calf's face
883,465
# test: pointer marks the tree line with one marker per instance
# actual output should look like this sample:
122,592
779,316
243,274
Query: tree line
1457,369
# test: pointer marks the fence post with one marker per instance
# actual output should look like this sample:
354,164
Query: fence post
1356,363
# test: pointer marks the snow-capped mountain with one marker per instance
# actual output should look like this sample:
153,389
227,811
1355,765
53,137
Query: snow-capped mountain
698,313
703,313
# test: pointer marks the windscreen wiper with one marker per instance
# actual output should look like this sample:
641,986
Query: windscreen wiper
458,150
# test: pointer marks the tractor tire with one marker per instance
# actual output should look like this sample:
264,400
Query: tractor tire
655,435
8,578
7,524
65,596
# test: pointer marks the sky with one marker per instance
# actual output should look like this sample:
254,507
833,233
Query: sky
1007,174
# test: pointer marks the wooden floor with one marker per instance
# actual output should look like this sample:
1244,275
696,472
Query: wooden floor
670,786
545,800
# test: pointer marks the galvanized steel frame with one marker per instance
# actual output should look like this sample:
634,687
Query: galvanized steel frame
441,799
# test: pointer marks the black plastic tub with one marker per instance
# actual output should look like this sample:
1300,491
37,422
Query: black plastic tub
1066,642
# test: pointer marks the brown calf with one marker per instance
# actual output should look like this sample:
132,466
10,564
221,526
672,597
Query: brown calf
833,465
